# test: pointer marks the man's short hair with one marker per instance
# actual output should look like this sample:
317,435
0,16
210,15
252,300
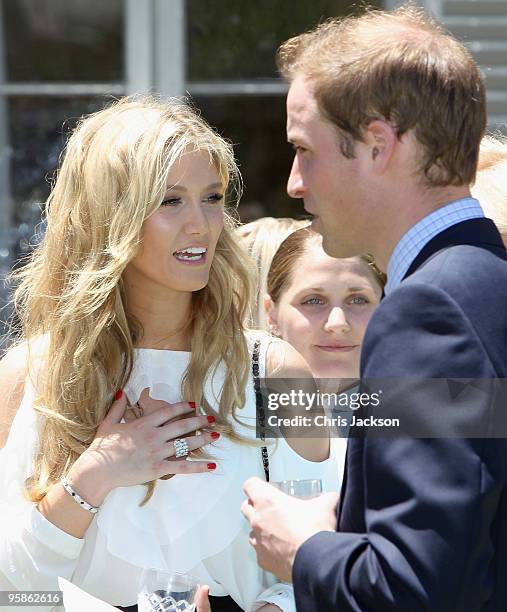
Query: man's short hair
401,67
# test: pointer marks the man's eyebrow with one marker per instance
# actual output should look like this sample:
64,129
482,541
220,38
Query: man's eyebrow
179,187
295,140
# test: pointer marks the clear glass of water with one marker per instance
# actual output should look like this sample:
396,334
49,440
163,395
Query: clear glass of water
161,591
303,489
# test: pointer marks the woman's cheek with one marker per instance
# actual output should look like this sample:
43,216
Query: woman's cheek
361,323
302,333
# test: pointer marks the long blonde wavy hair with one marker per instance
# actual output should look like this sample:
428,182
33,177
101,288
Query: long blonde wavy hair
112,177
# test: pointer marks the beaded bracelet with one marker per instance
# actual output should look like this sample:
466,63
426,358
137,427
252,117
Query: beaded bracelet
79,500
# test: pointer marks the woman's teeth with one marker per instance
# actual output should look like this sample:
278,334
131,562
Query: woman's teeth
191,254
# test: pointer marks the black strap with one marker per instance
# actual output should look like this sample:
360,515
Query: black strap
217,604
261,414
223,604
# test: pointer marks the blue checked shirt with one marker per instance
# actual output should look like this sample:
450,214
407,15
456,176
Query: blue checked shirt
418,236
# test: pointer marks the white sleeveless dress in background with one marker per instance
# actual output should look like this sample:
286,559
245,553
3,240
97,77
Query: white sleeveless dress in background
192,524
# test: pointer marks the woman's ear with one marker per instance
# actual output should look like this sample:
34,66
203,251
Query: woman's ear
271,310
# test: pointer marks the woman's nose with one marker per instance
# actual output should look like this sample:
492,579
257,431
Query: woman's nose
337,321
197,222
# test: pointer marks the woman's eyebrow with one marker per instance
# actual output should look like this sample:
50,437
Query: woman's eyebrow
305,290
359,288
323,290
179,187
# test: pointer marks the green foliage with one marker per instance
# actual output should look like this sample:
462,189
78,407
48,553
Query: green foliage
234,39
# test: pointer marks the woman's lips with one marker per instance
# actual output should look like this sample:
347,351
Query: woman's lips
192,261
335,348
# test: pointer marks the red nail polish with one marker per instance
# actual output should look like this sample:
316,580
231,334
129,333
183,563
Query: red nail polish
192,405
212,466
211,419
215,435
118,394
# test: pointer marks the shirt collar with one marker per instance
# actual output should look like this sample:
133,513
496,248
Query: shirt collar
418,236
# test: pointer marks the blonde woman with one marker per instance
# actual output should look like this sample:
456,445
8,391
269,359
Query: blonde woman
262,238
490,186
132,310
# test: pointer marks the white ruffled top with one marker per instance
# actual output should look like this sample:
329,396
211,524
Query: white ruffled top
192,524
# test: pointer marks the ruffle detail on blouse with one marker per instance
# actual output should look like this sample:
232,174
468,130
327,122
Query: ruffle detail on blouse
191,516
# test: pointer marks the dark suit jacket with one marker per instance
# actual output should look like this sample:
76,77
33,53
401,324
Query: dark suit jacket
423,522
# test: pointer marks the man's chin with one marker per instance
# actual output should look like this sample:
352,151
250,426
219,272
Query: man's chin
331,247
330,244
316,226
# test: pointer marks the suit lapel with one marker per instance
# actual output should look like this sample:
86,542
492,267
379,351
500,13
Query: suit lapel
481,232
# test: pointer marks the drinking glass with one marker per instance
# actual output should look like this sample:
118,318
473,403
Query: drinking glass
162,591
303,489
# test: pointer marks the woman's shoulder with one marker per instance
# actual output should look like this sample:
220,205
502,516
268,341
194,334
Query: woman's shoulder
13,372
284,361
14,364
20,361
281,358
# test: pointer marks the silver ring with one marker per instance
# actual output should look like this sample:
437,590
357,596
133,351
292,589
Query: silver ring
181,448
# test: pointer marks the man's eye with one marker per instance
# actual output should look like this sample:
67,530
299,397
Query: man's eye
298,149
170,202
214,197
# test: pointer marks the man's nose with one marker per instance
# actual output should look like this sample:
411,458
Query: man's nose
295,185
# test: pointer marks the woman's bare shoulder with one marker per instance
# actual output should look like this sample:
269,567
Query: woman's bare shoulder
284,361
13,371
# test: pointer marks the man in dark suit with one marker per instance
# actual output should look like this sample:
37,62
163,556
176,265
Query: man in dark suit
386,113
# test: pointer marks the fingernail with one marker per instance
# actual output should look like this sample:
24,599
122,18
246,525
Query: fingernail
211,419
212,466
192,405
118,394
215,435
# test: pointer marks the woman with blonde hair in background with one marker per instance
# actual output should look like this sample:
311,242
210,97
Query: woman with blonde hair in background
134,355
490,186
262,238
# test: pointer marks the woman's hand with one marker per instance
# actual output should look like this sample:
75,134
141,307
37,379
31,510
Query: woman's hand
135,452
201,599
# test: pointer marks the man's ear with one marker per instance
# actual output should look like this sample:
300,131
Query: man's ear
381,140
271,310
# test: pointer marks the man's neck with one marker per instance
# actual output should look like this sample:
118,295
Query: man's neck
409,210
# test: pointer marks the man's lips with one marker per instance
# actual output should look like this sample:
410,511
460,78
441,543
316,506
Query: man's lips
337,348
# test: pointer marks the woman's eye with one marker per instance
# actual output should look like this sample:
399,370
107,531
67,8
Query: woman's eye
313,301
171,202
359,299
214,197
175,201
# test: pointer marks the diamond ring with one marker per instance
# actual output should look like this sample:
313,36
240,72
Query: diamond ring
181,448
